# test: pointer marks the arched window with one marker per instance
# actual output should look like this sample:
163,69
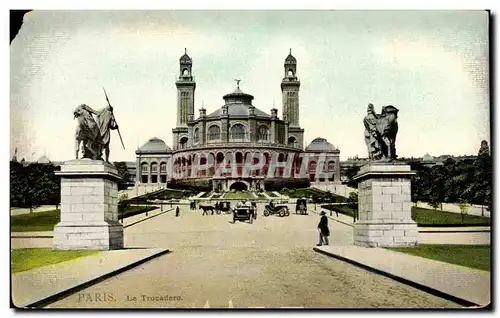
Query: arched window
263,133
144,172
214,132
292,141
331,165
290,72
163,172
196,135
183,143
185,72
154,172
238,132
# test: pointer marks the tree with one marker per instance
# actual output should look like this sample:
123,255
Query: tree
350,173
352,203
34,185
434,202
124,174
463,208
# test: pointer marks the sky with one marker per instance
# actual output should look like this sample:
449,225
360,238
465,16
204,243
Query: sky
431,65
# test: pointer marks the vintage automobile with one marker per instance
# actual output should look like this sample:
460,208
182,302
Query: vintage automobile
244,213
301,206
281,210
224,206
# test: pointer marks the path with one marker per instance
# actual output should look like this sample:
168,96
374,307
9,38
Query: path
270,263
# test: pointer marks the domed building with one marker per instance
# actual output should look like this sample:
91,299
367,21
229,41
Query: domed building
153,160
44,160
325,155
428,160
217,148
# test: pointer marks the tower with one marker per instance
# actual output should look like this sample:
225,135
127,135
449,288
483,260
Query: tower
185,91
290,90
185,102
290,85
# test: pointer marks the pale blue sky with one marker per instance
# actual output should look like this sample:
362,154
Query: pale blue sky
432,65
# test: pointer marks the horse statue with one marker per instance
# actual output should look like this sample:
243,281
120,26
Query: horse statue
380,133
87,133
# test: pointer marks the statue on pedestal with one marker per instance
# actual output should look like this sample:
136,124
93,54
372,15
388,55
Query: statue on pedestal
94,133
380,133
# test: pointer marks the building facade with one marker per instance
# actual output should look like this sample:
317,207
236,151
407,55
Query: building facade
219,147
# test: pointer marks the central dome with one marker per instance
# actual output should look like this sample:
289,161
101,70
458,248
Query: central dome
238,96
238,104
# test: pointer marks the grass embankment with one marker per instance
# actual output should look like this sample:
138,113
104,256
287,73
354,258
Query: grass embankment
40,221
474,256
45,221
164,194
319,195
28,258
238,195
426,217
429,217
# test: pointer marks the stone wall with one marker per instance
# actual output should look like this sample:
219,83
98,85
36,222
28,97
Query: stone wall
384,209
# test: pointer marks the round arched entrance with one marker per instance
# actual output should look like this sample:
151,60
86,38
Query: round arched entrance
239,186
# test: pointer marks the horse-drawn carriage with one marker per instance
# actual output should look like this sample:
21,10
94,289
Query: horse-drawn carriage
208,207
281,210
301,206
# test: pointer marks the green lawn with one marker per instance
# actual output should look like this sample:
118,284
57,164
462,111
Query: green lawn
238,195
475,256
164,194
45,221
430,217
301,192
312,192
27,258
40,221
426,217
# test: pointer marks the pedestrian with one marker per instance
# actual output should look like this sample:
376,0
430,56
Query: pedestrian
177,211
324,232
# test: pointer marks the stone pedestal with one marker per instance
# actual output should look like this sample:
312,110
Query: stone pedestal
89,207
384,195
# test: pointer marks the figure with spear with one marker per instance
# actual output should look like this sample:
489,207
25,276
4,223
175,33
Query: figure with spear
107,122
95,135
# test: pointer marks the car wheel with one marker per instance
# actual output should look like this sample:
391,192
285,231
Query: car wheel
282,213
266,213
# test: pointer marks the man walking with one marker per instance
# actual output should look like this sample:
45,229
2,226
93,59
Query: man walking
177,211
324,232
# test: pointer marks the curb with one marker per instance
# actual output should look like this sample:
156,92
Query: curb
427,289
65,293
125,226
454,231
35,236
147,218
351,225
